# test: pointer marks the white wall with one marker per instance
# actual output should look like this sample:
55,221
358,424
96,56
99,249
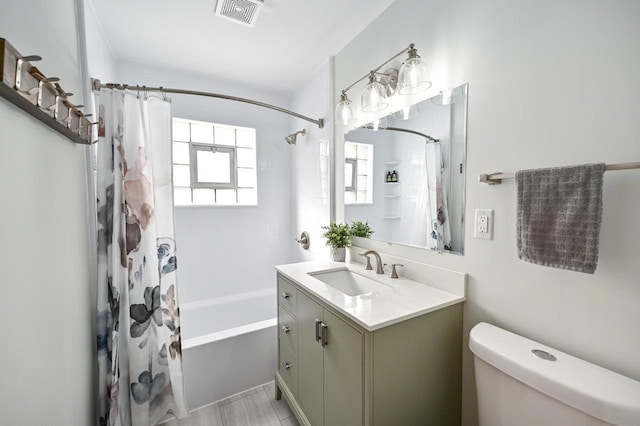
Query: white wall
228,250
46,362
310,164
102,64
550,84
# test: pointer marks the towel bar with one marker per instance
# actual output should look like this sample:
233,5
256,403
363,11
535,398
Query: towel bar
498,177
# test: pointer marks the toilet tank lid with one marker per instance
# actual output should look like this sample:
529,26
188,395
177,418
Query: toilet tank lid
599,392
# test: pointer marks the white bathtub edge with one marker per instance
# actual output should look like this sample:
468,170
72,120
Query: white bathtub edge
226,299
231,332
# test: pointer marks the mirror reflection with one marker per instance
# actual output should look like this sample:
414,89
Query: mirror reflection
404,174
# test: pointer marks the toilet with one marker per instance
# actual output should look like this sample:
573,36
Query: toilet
524,383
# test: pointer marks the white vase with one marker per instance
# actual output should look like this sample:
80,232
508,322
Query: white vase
337,253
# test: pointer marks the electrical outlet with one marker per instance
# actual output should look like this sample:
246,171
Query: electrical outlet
484,224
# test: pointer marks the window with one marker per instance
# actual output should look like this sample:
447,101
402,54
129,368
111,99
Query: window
358,173
213,164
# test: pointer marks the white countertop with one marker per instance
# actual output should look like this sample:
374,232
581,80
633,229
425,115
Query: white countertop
402,300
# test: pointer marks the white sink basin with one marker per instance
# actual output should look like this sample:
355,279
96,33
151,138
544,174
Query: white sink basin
348,282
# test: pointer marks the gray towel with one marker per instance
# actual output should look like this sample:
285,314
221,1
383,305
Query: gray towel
559,215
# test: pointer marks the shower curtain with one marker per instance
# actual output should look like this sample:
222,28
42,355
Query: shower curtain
138,323
431,227
440,233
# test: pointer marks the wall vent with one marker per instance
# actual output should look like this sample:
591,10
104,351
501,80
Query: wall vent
244,12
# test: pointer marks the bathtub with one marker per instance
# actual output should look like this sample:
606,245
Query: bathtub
229,344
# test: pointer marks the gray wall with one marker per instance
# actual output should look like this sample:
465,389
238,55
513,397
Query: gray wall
46,360
550,84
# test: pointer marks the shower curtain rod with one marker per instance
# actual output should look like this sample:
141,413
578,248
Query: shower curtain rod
96,85
427,137
496,178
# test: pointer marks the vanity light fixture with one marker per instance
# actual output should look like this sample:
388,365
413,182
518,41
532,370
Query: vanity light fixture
413,78
450,96
378,124
344,111
374,95
407,112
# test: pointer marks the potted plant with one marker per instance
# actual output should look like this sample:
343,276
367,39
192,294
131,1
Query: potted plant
338,237
361,229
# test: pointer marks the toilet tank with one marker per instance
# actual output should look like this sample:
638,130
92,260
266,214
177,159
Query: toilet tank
517,387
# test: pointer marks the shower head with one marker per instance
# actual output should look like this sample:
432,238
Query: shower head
291,139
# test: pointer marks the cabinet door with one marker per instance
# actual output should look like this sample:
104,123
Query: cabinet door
343,373
310,365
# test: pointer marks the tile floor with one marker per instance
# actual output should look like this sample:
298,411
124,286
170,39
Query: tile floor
255,407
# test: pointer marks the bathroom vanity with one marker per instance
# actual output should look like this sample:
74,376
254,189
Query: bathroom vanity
357,348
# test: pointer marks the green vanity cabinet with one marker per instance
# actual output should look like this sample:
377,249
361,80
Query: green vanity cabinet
329,366
337,373
311,361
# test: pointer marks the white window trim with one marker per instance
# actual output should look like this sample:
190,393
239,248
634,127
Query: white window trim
354,175
194,147
356,172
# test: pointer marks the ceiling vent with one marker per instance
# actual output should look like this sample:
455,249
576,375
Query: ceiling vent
244,12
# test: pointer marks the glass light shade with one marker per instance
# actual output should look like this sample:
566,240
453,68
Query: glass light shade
379,124
344,112
413,77
373,97
449,96
407,113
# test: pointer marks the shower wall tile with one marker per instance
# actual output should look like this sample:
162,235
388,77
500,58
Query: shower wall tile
310,171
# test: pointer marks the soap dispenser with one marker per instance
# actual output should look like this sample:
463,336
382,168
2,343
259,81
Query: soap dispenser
388,176
394,176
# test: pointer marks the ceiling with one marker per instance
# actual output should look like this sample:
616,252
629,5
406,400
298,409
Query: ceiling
290,40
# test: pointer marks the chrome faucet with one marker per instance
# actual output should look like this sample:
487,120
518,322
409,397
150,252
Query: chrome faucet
378,261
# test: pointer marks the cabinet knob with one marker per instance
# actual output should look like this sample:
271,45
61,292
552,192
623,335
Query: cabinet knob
285,295
285,328
286,365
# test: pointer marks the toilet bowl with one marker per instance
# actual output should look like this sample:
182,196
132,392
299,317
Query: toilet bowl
524,383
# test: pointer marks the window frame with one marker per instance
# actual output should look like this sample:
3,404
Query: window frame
354,174
238,138
194,147
357,172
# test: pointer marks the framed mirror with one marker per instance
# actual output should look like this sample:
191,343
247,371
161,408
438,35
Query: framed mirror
407,173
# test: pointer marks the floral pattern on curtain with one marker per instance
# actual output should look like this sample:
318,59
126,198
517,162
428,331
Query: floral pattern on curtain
435,169
431,226
138,324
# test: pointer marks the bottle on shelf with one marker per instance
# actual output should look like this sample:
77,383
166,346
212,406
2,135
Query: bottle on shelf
394,176
388,176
